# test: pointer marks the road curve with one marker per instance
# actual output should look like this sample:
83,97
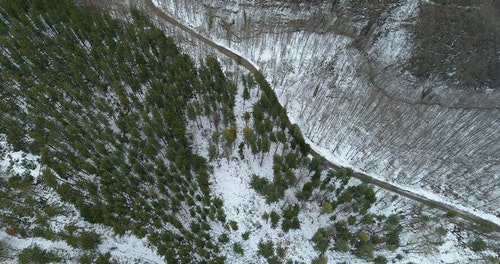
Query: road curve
382,184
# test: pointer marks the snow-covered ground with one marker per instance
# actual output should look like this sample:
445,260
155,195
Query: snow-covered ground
416,190
231,182
123,249
338,96
243,205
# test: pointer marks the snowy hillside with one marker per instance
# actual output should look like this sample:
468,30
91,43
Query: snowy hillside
359,100
120,144
124,249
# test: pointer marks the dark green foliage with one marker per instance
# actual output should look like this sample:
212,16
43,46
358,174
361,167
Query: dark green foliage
86,259
342,246
274,260
364,250
246,94
280,252
482,228
241,147
380,260
89,240
224,238
394,228
259,184
245,235
351,220
316,163
212,152
2,250
477,245
265,216
393,239
361,196
234,225
367,219
320,260
306,192
106,107
37,255
238,249
321,240
290,220
272,104
266,249
343,232
298,140
275,218
451,214
103,258
272,191
18,203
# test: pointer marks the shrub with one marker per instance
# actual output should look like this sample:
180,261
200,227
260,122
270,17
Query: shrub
89,240
393,240
259,184
320,240
265,216
234,225
342,231
451,214
223,238
275,218
245,235
367,219
290,220
342,246
274,260
320,260
363,236
327,208
86,259
380,260
37,255
266,249
281,252
365,250
478,245
237,248
103,258
441,231
482,228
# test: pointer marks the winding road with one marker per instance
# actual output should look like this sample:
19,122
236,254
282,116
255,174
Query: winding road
476,218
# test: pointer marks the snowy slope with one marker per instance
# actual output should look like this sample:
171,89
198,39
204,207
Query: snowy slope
123,249
231,182
361,105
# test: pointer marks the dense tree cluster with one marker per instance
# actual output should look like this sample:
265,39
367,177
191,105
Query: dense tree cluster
105,103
